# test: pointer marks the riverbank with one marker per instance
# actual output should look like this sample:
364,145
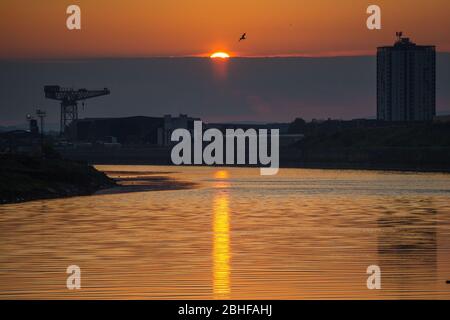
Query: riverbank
143,181
24,178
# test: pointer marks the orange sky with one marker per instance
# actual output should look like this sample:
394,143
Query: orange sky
140,28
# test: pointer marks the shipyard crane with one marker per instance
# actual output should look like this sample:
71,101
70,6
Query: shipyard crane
69,98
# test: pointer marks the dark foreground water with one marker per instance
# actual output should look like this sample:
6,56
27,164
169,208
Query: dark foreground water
234,234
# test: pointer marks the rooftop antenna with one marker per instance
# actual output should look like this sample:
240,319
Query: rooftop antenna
32,124
41,114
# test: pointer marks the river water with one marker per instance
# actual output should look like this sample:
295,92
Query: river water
303,234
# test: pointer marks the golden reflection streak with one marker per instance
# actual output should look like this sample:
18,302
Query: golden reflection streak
221,244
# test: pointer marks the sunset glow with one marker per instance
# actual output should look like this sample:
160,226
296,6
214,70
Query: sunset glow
220,55
176,28
225,159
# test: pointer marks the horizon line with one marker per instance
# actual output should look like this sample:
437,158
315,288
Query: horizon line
341,54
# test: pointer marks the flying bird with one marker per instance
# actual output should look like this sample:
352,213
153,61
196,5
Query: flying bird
243,37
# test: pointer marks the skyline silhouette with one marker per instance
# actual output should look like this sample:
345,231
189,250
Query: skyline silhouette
241,89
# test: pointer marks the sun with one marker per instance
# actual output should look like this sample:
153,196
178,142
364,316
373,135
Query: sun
220,55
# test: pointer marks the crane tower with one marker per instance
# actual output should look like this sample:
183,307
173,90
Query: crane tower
69,101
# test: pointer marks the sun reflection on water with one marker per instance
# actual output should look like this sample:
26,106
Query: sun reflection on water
221,244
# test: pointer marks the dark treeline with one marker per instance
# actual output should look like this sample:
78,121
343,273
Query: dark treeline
368,133
372,144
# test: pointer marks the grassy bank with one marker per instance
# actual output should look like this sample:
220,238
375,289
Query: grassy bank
25,178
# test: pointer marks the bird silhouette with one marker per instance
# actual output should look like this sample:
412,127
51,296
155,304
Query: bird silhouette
243,37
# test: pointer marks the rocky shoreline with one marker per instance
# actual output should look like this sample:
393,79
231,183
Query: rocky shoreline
24,178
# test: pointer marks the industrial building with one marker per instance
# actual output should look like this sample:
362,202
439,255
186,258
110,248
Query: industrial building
406,81
129,130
